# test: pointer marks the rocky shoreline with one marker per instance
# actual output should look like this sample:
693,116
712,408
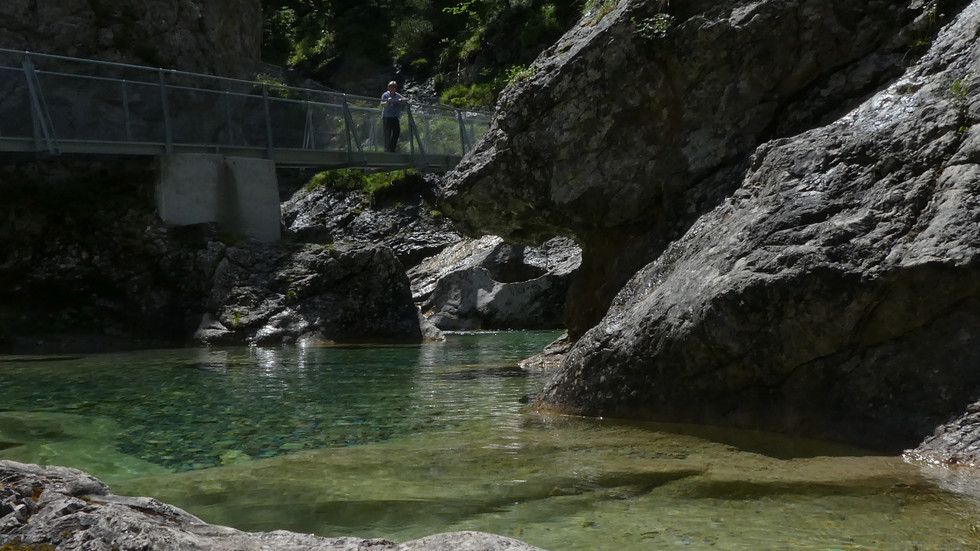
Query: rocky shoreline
43,508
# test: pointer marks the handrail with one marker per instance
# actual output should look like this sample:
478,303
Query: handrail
110,107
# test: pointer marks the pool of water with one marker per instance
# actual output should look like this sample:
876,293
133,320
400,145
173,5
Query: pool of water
405,441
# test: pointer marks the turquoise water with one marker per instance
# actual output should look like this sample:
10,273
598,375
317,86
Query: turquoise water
404,441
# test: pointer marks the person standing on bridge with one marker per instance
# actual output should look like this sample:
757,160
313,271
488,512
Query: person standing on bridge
392,103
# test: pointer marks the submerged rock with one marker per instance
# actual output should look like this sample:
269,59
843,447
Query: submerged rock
71,510
836,294
287,293
489,284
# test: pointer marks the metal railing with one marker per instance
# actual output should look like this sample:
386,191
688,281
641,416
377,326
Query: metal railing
55,105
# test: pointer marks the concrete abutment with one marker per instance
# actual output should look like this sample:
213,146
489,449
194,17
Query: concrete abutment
240,193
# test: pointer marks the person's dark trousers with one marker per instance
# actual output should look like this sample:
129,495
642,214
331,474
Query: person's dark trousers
392,130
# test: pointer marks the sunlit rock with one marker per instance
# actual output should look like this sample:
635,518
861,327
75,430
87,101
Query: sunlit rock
67,509
642,117
836,293
489,284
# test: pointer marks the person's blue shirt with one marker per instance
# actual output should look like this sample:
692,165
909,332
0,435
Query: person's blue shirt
392,109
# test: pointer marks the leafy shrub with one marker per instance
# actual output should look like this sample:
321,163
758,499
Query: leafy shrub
343,180
653,28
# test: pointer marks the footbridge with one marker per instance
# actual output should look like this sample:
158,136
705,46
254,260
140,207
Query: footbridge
54,105
217,139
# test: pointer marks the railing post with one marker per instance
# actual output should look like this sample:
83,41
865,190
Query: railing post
270,148
352,135
308,141
126,117
462,134
39,110
168,130
415,134
229,139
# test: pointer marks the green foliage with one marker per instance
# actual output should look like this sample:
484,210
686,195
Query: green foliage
343,180
381,181
927,27
356,180
463,8
598,9
960,87
476,94
423,37
411,39
653,28
517,73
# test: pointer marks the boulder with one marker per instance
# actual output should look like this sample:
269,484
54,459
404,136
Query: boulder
835,294
403,221
58,507
309,293
489,284
954,443
641,118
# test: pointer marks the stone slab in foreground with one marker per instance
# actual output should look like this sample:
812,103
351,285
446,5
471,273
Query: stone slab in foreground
48,507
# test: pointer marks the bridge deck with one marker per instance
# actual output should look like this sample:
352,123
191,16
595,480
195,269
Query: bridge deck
54,106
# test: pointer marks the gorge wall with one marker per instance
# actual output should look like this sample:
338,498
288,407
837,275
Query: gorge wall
624,136
804,224
221,38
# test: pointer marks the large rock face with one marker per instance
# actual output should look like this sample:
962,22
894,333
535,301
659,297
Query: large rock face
461,284
623,137
222,38
837,293
56,507
828,284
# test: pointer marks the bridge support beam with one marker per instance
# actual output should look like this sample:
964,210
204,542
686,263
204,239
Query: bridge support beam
238,192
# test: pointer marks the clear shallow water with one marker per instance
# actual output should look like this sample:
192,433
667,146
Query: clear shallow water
404,441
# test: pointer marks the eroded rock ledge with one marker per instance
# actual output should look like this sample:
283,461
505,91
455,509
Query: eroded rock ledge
835,294
43,507
798,184
623,138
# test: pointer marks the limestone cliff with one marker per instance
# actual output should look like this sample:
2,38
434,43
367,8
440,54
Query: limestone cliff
637,121
822,283
222,38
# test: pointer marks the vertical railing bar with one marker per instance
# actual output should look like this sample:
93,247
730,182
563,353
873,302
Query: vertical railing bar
352,135
39,110
412,135
127,120
270,148
167,123
229,141
462,134
308,142
414,130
